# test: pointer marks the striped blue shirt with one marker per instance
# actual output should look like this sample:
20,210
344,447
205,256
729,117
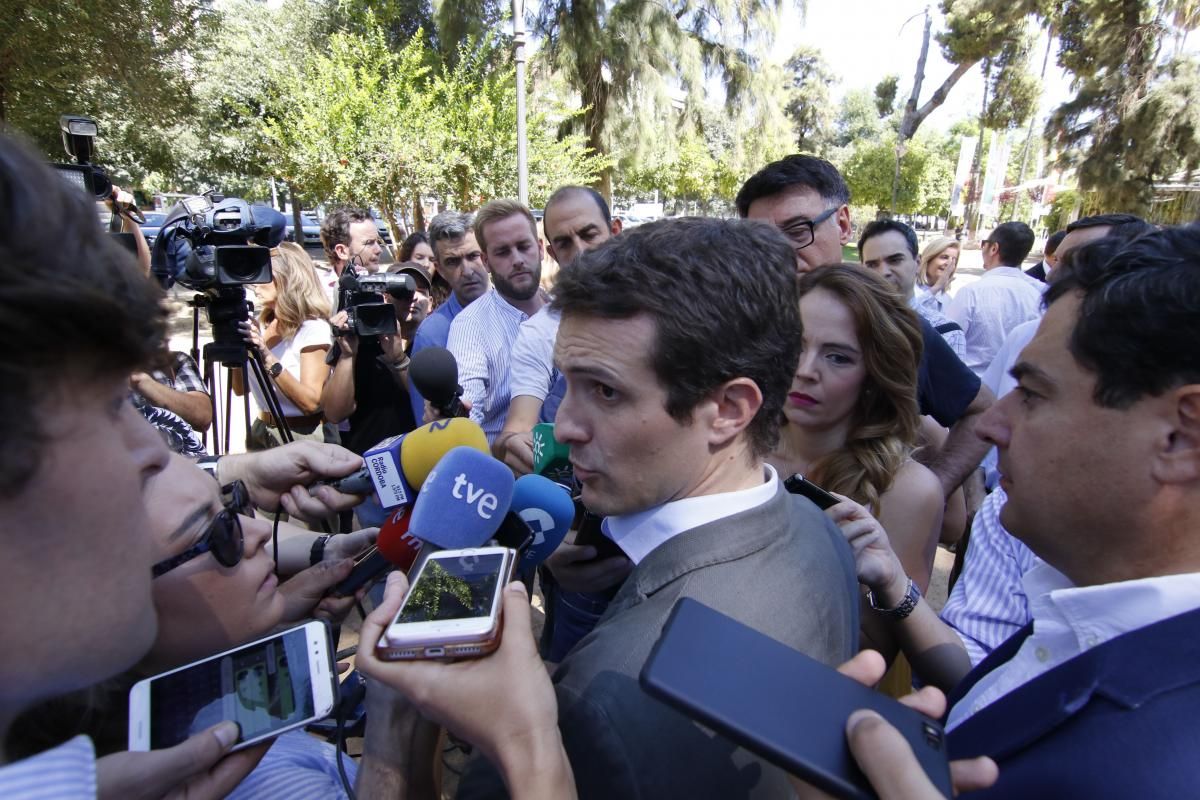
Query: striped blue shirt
297,767
988,603
68,772
481,340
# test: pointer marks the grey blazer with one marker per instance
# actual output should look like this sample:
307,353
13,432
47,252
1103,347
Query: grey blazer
782,568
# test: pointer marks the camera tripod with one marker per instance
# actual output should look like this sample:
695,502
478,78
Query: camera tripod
231,352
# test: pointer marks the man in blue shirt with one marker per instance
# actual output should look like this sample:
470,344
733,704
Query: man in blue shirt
459,260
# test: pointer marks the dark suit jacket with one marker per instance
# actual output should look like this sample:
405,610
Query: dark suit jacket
1121,720
782,568
1038,271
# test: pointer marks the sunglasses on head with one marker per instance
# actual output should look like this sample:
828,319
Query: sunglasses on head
223,536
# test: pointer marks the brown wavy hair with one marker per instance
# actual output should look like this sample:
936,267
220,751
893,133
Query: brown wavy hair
298,295
883,430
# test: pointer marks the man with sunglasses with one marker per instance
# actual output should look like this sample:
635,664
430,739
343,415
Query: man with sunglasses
75,461
807,199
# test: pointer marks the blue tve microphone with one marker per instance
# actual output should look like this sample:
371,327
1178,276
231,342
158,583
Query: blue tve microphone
463,500
548,510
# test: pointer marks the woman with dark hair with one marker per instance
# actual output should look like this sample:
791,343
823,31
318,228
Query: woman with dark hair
852,417
417,248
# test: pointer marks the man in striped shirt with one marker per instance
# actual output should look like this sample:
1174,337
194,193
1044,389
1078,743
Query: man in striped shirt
481,337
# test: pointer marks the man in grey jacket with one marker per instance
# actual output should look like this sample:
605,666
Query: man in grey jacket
677,343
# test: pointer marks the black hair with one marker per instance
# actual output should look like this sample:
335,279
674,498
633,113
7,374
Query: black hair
881,226
1122,226
1052,243
409,244
1015,240
796,170
563,192
722,295
1138,330
75,305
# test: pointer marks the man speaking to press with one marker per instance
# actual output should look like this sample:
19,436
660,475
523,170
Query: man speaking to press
671,342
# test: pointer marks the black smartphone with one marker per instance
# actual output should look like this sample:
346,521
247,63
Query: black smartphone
798,484
369,566
777,702
589,533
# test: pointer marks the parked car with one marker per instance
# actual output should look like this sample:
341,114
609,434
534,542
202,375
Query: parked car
310,227
152,225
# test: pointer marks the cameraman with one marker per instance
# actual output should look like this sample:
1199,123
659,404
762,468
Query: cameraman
368,388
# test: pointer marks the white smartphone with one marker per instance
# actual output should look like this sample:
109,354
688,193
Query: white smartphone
452,609
282,682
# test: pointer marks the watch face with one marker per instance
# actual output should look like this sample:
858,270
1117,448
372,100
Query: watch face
276,369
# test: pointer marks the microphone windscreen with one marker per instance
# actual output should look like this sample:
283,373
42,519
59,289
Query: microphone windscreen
384,463
551,457
396,542
548,510
425,446
434,372
463,500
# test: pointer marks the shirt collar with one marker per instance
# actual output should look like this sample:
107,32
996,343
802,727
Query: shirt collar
1102,612
640,533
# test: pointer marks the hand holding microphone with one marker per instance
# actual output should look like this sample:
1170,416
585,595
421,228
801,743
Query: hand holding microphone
434,373
277,478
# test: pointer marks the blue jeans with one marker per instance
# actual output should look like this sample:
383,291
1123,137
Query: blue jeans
572,616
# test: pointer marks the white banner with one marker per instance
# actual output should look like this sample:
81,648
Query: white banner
994,180
965,155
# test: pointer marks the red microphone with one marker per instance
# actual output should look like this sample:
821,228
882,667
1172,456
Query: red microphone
395,548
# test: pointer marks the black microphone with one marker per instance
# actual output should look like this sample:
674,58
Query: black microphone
435,374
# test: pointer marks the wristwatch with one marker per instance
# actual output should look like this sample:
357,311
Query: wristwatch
317,553
275,370
911,595
209,465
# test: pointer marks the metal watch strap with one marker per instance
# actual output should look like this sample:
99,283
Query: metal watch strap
209,465
911,595
317,553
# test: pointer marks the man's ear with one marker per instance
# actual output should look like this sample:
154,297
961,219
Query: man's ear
1179,460
735,403
845,229
617,226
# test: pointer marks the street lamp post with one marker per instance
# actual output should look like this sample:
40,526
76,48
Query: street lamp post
519,57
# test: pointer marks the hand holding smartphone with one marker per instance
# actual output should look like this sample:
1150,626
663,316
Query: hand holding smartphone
452,608
777,702
267,687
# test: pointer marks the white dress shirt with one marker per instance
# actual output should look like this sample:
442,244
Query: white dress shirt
991,307
481,340
66,772
638,534
1069,620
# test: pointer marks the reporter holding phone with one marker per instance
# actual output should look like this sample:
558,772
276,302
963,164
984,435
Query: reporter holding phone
214,589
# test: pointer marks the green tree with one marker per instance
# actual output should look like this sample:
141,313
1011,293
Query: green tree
121,63
925,178
616,54
809,107
1132,121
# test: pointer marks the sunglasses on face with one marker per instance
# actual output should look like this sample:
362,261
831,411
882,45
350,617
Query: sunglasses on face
223,536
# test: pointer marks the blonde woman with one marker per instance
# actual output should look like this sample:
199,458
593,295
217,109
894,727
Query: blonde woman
939,259
293,337
852,418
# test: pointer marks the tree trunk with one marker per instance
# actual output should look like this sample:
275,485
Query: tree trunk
971,214
1032,119
297,220
910,109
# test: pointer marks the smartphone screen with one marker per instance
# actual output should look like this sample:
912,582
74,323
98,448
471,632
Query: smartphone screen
264,687
459,587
